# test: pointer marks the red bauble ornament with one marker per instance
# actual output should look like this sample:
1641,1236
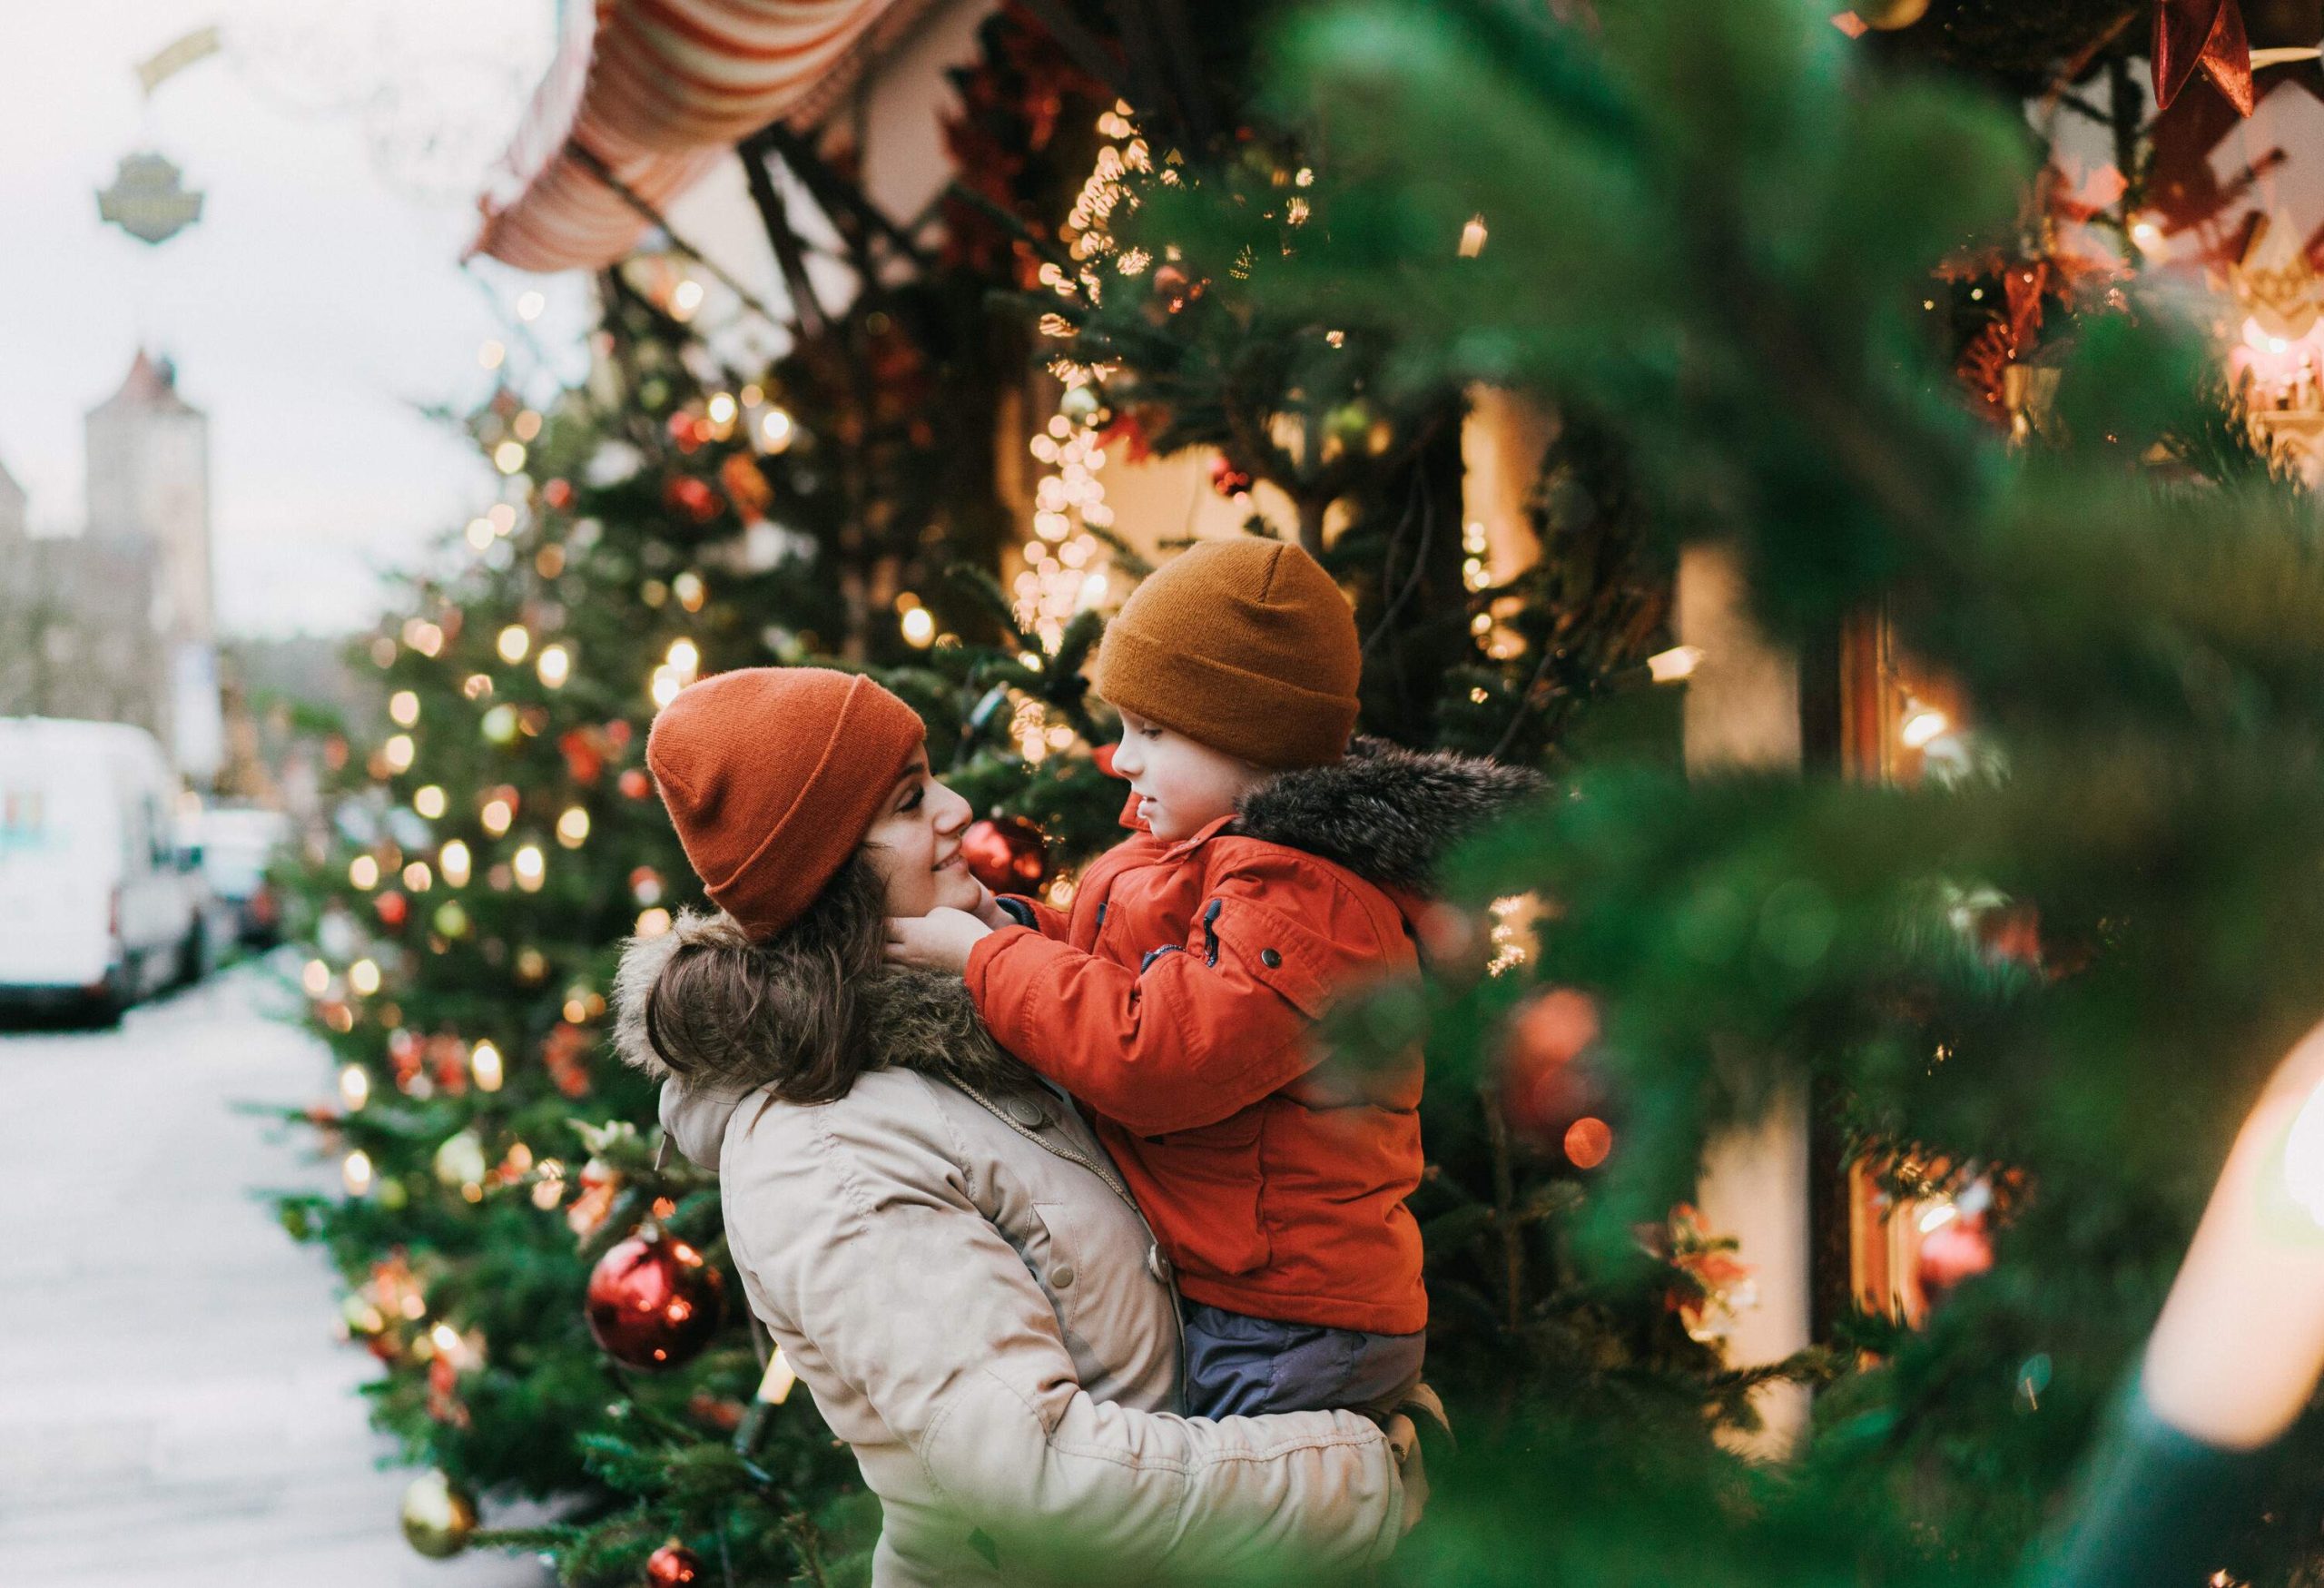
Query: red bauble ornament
1548,1088
653,1301
694,498
585,753
1960,1248
1006,853
1227,479
393,909
672,1564
635,785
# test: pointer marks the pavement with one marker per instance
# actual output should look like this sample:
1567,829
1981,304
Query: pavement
174,1410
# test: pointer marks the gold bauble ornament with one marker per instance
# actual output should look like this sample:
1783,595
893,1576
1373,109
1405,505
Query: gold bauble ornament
439,1515
1890,15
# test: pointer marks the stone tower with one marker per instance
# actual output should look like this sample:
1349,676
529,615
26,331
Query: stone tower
148,461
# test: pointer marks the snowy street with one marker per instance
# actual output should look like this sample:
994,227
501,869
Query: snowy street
175,1412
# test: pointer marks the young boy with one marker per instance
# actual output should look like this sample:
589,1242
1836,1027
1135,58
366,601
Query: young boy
1270,872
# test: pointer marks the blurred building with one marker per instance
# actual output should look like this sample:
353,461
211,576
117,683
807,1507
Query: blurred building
116,623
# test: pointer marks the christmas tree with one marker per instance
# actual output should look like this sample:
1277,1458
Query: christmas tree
1775,283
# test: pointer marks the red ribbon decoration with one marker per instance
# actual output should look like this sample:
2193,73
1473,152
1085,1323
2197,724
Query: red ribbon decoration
2208,34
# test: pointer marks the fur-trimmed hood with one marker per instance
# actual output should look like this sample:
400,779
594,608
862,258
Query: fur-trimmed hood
1389,814
910,1019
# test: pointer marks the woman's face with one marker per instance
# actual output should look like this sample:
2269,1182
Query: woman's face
914,844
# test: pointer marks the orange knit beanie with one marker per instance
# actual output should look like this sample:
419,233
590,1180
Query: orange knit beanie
772,775
1246,646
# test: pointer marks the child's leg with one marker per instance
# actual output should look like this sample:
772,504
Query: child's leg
1240,1367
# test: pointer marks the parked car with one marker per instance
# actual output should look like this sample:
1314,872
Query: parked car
99,906
236,844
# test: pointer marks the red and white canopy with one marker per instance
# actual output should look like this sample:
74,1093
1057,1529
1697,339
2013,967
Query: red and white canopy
655,92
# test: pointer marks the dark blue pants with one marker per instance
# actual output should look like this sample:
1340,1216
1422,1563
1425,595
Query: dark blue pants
1240,1367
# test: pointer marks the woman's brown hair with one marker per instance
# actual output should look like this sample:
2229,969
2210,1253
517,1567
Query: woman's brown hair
786,1012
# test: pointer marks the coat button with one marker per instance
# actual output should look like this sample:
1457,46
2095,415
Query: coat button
1061,1276
1157,1264
1026,1112
1270,959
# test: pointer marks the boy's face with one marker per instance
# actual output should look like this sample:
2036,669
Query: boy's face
1182,786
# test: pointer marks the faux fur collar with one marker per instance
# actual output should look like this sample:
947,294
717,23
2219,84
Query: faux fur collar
912,1020
1389,814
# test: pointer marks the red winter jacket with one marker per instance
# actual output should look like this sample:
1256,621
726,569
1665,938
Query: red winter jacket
1179,1003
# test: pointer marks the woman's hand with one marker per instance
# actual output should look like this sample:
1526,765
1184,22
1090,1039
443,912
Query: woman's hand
938,940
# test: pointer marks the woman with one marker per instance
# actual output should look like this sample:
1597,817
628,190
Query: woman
934,1238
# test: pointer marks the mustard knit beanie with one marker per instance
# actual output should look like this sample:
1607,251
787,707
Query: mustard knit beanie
1246,646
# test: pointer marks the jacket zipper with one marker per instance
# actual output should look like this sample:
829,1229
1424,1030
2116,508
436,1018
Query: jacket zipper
1074,1155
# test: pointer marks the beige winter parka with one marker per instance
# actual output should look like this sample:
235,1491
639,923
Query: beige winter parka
958,1276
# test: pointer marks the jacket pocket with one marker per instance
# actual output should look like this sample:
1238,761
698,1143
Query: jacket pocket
1205,1189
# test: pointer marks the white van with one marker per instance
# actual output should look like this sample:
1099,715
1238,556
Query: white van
98,905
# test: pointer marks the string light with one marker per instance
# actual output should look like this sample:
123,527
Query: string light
403,708
720,410
508,457
686,297
920,628
496,816
315,977
572,828
416,878
363,872
354,1086
483,1063
1472,237
354,1172
652,923
399,752
456,863
531,867
556,666
491,355
363,977
430,801
1922,725
776,429
1674,665
514,642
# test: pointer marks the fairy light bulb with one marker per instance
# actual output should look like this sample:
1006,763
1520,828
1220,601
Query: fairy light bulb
496,816
508,457
556,666
531,867
354,1172
684,658
456,863
315,978
572,828
1923,725
363,872
403,708
776,429
398,753
1674,665
514,642
430,801
354,1086
417,877
485,1064
920,628
363,977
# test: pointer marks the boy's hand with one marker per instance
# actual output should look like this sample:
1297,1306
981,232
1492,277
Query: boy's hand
990,911
938,940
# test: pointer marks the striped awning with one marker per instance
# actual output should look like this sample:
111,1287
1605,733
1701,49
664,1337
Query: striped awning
645,96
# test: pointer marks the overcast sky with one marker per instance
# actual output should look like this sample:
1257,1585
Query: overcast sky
318,302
